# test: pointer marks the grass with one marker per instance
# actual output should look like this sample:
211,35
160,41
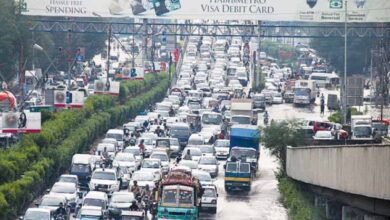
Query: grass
299,202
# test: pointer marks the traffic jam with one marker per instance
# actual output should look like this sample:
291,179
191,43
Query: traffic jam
163,163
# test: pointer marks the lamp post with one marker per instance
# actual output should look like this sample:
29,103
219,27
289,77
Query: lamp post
345,63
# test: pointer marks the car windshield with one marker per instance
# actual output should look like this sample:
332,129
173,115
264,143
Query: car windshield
259,98
185,197
214,119
189,163
176,131
206,149
195,152
118,137
244,168
134,151
80,168
150,164
51,201
93,202
143,176
195,141
231,167
241,120
100,175
169,196
132,217
148,141
122,198
63,189
174,142
239,153
222,143
301,91
33,215
208,161
209,193
123,157
362,131
203,176
162,157
67,179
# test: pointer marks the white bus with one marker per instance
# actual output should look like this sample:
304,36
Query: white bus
325,79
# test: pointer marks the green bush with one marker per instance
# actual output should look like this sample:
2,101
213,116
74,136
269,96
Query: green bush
55,155
16,160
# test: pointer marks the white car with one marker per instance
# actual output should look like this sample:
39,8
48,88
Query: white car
126,160
37,213
323,135
277,98
222,148
66,178
203,177
209,164
195,153
193,165
105,180
144,178
69,190
209,199
121,200
152,165
116,134
52,202
163,157
136,153
110,148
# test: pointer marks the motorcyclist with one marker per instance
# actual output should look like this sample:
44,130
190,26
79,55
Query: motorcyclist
158,131
187,156
106,157
141,147
135,188
134,206
127,139
60,210
171,112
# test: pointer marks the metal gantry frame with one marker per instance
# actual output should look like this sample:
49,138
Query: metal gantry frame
249,29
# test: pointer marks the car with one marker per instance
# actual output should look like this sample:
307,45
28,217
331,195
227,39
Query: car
222,148
69,190
144,178
193,165
136,153
37,213
277,98
152,165
125,174
209,164
323,135
203,177
207,150
195,153
121,200
66,178
116,134
90,212
110,148
209,199
52,202
175,147
163,157
126,160
148,142
105,180
95,199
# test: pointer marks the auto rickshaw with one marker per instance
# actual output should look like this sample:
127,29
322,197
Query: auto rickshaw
195,122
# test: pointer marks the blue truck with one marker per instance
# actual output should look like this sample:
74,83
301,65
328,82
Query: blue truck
245,145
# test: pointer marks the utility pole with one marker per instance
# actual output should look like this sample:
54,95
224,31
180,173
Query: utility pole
70,59
258,67
345,62
109,53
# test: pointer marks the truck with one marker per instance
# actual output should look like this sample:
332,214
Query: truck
245,145
259,102
361,127
179,195
242,112
305,92
237,176
288,94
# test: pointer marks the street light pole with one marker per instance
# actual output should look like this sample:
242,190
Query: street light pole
345,62
109,53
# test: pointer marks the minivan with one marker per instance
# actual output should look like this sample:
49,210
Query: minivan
182,132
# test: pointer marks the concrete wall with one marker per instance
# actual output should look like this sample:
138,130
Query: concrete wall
362,170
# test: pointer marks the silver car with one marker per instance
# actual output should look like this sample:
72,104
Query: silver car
209,164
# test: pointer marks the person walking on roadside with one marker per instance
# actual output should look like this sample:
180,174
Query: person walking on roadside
322,105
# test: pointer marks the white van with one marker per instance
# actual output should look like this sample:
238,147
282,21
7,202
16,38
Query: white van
116,134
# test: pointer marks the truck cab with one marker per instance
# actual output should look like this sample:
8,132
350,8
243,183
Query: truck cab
361,127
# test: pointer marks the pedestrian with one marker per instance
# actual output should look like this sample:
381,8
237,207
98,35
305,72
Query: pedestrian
141,147
322,105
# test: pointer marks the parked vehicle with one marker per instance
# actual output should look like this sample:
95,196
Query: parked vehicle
361,127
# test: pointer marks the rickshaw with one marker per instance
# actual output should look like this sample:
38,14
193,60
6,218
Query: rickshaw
195,121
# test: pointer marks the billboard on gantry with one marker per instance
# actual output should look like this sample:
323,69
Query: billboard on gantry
267,10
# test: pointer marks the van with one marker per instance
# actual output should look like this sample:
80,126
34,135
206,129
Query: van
116,134
182,132
96,199
82,166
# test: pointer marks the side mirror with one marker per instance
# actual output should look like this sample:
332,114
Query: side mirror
224,166
36,204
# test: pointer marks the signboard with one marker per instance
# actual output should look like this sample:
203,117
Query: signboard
20,122
104,87
59,98
355,87
266,10
77,99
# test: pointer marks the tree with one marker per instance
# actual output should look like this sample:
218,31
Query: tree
332,49
278,135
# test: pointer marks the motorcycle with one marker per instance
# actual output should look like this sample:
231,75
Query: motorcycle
153,210
60,217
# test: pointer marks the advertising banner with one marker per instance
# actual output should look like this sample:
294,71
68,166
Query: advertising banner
266,10
104,87
21,122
